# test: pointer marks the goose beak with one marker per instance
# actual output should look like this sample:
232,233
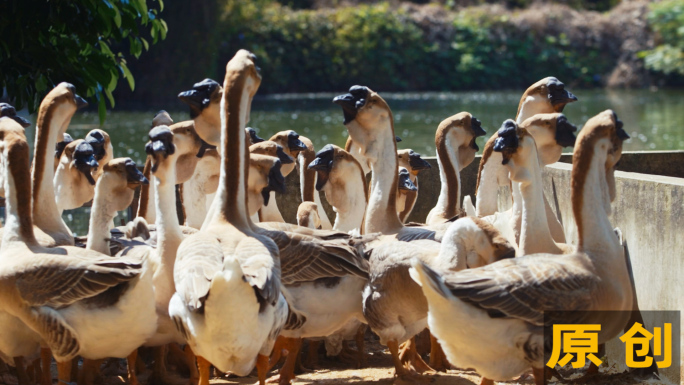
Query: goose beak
22,121
417,163
253,137
80,102
352,102
621,133
9,111
476,125
559,95
282,156
191,98
405,181
134,177
293,142
85,162
323,164
565,132
397,138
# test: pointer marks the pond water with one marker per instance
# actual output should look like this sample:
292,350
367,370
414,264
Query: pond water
653,119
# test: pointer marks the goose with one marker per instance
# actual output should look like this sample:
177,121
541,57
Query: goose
550,136
406,199
404,183
307,182
476,316
290,142
307,215
342,180
228,304
80,302
519,148
548,95
455,141
54,116
102,145
74,183
369,122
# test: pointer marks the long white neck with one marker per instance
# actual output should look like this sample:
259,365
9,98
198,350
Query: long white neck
322,215
101,214
45,212
350,206
270,212
230,202
169,234
382,214
194,202
493,175
535,236
307,183
449,201
532,106
596,232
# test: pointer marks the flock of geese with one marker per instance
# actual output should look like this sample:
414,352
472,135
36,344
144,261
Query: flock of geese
239,288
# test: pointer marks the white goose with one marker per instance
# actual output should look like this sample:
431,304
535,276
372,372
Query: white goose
456,149
74,181
545,96
228,303
492,318
81,302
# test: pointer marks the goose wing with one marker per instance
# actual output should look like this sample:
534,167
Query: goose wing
199,258
58,281
325,235
527,287
305,258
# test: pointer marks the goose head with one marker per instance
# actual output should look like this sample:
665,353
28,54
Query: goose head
204,100
82,163
162,118
551,132
412,162
159,148
7,110
120,177
488,245
517,148
252,135
307,215
59,106
366,114
335,169
264,176
601,139
273,149
290,141
462,131
545,96
102,145
60,146
404,180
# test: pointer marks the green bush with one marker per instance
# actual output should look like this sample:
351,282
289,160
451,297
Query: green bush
384,48
667,20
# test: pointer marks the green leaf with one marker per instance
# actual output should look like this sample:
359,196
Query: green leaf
128,75
110,97
105,48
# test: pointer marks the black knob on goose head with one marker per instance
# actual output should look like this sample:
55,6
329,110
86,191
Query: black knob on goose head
558,94
161,118
96,139
60,146
84,160
161,143
276,182
293,142
621,133
80,102
253,137
323,164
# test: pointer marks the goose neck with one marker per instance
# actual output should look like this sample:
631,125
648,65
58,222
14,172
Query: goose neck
19,221
101,214
382,214
448,203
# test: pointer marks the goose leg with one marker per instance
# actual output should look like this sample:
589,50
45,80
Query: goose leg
46,362
403,372
361,346
37,372
22,377
262,366
410,354
438,360
131,361
89,371
539,376
279,351
486,381
190,359
204,370
159,374
292,345
312,356
64,371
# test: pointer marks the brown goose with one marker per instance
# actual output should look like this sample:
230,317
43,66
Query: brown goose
406,198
